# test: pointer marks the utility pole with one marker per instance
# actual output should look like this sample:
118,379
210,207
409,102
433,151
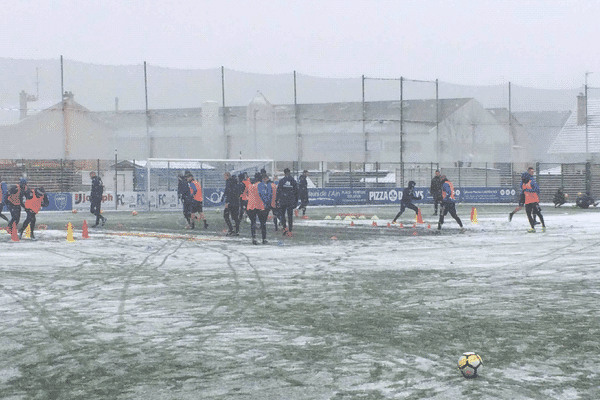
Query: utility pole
587,150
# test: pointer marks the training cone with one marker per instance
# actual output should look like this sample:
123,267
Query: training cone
27,232
428,226
401,225
13,233
419,217
389,225
474,215
415,233
374,223
351,223
70,233
85,234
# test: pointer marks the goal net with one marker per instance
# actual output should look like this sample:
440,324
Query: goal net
157,179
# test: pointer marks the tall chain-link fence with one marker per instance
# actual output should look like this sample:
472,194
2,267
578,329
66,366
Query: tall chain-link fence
131,175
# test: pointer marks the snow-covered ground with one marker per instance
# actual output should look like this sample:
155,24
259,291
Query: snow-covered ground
160,316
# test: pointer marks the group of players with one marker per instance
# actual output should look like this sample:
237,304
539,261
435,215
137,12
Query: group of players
442,191
18,197
255,198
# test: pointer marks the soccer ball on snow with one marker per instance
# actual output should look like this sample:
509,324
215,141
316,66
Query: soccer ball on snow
470,364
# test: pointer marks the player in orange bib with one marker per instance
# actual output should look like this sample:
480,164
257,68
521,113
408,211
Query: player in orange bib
34,201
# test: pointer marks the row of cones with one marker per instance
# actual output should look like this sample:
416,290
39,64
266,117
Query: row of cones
70,238
419,219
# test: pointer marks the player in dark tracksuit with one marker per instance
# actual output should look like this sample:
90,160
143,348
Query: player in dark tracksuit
15,201
435,189
96,198
408,195
183,192
303,191
287,199
232,204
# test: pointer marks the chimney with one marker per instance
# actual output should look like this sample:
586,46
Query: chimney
581,109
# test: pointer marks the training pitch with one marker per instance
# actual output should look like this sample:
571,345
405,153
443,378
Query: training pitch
145,309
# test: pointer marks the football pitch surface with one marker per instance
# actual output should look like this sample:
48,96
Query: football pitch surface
149,310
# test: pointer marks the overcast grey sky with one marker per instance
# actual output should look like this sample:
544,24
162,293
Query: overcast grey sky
544,44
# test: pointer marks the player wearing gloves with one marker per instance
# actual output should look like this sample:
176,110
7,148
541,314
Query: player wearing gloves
408,195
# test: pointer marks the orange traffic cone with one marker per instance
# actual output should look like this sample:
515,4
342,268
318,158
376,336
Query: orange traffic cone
389,225
401,225
85,233
351,223
415,233
70,238
419,217
13,233
374,223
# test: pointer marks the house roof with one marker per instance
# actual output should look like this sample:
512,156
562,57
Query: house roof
542,128
572,137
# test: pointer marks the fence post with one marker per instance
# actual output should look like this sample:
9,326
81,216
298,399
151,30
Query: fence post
486,175
62,189
588,177
350,172
116,181
322,174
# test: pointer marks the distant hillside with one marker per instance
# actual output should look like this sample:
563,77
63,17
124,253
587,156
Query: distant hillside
97,86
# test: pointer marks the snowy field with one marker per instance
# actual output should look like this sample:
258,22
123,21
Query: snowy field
147,310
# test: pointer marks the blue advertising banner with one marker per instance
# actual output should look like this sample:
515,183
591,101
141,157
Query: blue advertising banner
337,196
59,202
213,197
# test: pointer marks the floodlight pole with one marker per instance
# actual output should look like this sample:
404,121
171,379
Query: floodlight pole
150,141
587,150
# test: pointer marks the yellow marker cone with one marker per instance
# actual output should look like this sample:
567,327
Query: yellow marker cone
70,233
27,232
474,215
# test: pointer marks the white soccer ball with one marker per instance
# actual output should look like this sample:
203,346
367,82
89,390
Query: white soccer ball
470,364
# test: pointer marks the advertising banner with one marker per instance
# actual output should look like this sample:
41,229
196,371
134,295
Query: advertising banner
59,202
337,196
213,197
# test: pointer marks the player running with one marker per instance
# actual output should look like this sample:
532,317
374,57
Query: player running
531,191
448,203
408,195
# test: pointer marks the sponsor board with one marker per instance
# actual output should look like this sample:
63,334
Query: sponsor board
213,197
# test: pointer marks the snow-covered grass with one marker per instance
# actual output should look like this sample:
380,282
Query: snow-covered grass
148,310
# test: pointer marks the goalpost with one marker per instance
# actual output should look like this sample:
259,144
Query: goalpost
158,178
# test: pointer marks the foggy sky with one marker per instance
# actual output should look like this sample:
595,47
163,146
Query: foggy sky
543,44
